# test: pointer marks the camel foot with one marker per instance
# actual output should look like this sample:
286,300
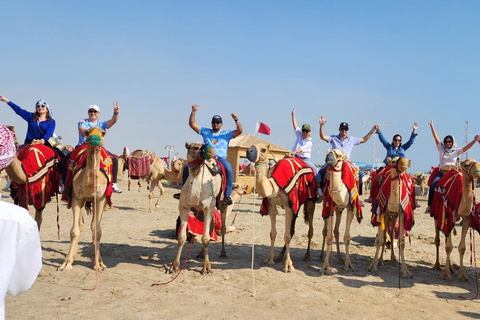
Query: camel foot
406,274
445,276
230,229
223,255
157,206
269,261
306,257
436,266
462,276
65,266
325,271
288,268
372,267
340,259
349,267
100,267
207,270
174,268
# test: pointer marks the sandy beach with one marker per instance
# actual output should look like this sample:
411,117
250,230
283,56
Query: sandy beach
137,245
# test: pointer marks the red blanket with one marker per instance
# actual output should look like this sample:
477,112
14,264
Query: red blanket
78,160
139,167
195,226
297,180
350,179
39,163
407,191
446,200
475,218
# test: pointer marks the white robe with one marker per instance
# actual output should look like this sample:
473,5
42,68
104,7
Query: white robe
20,252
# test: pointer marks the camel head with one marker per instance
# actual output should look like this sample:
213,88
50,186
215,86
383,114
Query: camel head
95,136
177,165
399,163
194,151
258,153
334,157
471,167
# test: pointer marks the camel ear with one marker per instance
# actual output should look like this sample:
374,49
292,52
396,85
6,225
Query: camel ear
389,160
409,163
187,145
344,155
328,151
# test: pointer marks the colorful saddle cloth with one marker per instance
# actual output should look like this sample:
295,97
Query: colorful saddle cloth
446,200
296,179
78,160
39,163
139,167
407,200
350,179
196,224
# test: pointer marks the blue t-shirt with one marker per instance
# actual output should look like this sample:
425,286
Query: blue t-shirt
85,123
219,141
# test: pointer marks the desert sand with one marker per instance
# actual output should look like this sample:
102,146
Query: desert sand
137,245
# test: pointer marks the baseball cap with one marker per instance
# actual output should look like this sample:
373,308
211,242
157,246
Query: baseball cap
343,125
94,107
306,127
217,118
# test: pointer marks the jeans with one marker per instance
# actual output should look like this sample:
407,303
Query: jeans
309,162
431,191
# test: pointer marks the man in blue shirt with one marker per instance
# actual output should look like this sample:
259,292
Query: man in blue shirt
220,140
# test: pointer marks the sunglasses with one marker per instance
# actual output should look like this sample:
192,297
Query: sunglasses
343,129
41,106
215,122
449,141
399,140
92,111
305,130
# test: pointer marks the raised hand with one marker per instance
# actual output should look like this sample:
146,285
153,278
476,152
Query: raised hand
322,120
195,107
116,107
2,98
415,126
234,116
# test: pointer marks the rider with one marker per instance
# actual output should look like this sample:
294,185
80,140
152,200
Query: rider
303,149
448,156
342,141
220,140
41,125
93,121
394,149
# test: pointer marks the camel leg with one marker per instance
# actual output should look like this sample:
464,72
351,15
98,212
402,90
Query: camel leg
336,232
223,212
288,237
96,236
392,223
77,206
329,241
380,243
401,244
346,239
446,275
182,237
208,212
324,236
273,233
309,211
38,218
462,276
280,256
162,191
436,266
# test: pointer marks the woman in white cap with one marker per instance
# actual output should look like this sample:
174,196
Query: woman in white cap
41,125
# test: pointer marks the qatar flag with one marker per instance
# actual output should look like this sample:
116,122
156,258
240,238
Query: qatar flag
262,128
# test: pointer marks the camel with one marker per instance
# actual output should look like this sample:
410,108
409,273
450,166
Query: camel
158,171
269,188
470,171
17,174
89,188
339,197
366,180
422,180
202,189
399,204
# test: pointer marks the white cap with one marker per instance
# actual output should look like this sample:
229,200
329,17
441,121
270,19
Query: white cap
95,107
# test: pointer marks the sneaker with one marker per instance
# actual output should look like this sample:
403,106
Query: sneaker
176,196
320,192
427,210
368,200
319,199
227,201
116,189
62,188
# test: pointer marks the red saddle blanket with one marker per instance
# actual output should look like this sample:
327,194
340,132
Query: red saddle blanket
407,191
195,226
78,160
446,200
350,179
139,167
297,180
39,163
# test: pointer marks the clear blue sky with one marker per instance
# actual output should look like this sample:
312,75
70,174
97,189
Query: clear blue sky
376,61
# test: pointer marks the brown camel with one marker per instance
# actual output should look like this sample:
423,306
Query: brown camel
470,172
340,197
201,190
17,174
399,204
422,180
158,171
268,188
89,187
